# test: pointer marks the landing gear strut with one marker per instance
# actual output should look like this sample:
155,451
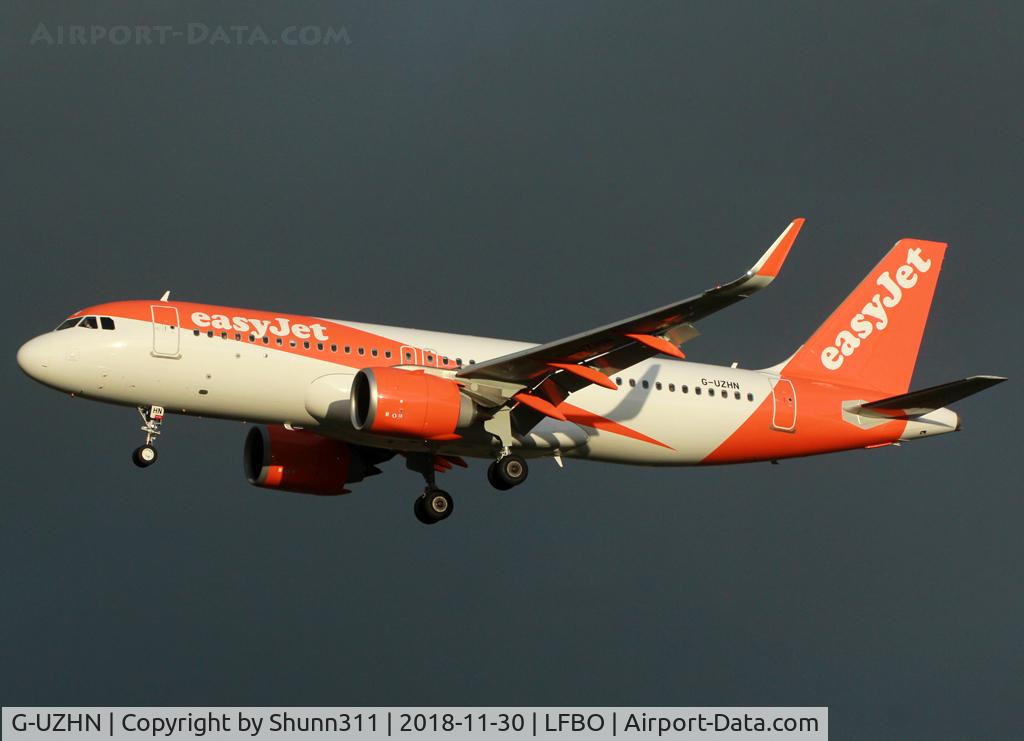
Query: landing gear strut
434,504
508,471
145,455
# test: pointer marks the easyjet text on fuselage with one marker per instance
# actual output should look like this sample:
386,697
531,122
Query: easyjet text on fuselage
278,326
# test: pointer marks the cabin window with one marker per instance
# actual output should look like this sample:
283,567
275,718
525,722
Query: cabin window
280,341
711,392
408,355
458,361
306,344
671,387
319,346
387,353
618,380
266,340
195,332
362,351
223,335
430,358
292,343
632,383
750,397
348,349
334,348
106,322
658,385
696,390
737,395
373,351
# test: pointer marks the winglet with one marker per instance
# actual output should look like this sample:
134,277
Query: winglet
771,261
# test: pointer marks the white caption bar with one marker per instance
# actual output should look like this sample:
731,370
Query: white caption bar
415,724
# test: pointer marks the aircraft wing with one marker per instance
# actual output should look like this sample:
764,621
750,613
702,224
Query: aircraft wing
590,357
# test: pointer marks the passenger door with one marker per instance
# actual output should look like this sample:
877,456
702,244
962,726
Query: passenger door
165,331
784,409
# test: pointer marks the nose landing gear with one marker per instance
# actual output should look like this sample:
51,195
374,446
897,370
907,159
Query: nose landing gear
145,455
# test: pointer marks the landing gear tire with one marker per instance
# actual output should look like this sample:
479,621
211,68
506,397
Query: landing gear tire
510,471
421,515
433,506
144,456
492,478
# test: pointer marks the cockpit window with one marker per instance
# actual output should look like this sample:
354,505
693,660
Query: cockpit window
69,323
89,322
106,322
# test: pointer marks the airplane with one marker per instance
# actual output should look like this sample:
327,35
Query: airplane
333,399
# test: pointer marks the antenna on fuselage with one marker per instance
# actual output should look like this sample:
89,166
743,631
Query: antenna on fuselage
167,295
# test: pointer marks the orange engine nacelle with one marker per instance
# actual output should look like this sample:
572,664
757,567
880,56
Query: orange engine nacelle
297,460
391,401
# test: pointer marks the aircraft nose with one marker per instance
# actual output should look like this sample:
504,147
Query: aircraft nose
34,357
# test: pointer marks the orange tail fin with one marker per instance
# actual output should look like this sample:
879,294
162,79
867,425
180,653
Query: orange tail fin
872,339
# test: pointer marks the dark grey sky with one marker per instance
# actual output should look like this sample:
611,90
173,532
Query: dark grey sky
523,170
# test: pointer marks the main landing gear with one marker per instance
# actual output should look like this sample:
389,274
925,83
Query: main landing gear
508,471
145,455
434,504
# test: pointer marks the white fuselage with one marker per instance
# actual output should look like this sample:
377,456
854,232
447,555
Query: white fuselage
211,376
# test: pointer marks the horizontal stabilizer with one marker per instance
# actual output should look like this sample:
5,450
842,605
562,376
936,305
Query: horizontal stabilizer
923,401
